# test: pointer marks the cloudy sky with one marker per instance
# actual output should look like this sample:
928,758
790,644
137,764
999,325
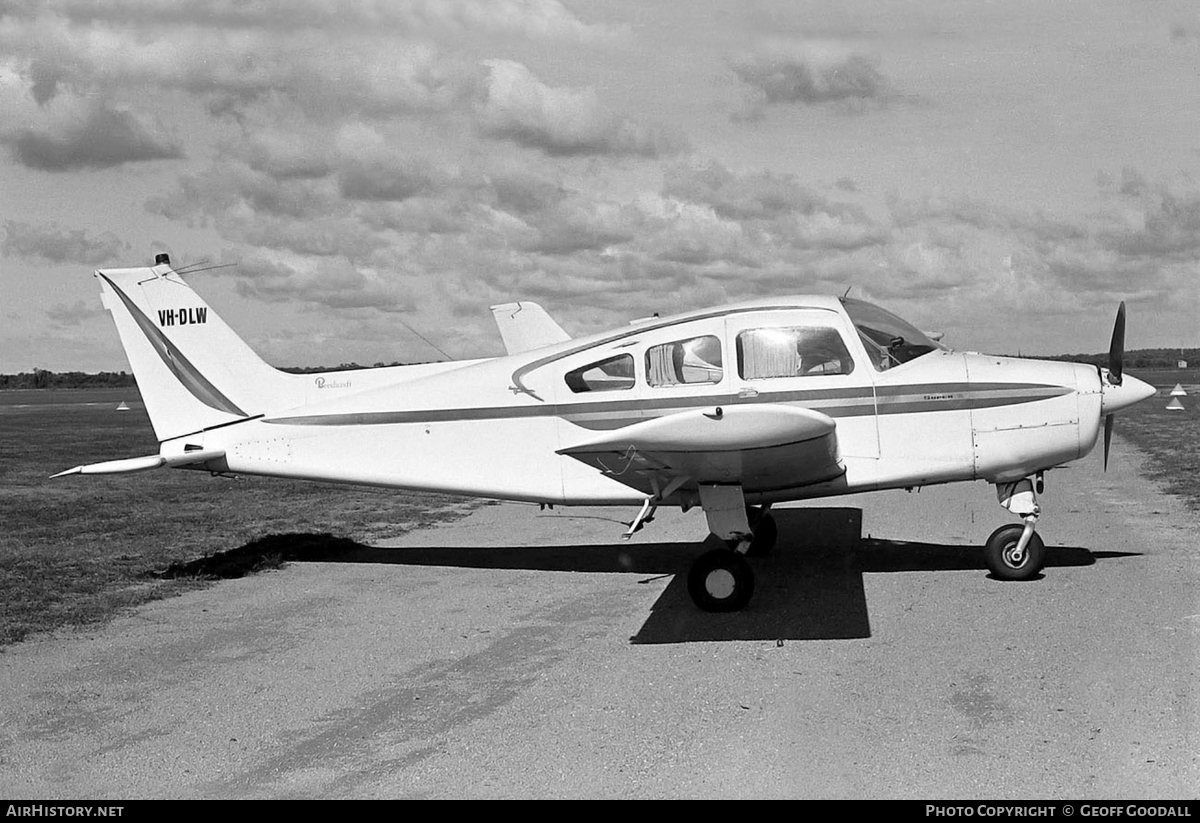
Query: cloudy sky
368,173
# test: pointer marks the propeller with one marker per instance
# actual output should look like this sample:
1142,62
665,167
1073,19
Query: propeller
1116,349
1108,427
1116,371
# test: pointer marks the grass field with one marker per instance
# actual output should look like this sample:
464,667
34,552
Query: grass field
79,549
1171,439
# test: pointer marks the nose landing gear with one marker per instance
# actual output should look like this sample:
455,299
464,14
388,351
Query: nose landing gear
1016,552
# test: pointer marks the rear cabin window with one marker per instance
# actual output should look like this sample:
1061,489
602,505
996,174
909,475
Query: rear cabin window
685,362
612,374
797,351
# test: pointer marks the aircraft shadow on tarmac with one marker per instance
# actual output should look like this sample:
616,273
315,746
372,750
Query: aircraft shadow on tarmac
810,587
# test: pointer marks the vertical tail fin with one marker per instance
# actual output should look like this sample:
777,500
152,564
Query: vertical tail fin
192,370
525,326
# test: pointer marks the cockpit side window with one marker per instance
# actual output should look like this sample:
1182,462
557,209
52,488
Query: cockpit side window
610,374
685,362
888,340
794,351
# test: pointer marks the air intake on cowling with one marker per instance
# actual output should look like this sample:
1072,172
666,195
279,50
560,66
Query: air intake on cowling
162,258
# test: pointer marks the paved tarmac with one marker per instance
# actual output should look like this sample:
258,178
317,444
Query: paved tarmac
527,654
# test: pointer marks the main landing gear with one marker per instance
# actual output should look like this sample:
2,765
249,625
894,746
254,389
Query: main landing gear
1016,552
720,579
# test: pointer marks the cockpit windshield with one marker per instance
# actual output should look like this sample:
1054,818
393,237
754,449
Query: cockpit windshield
889,340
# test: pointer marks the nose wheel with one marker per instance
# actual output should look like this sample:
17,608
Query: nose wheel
1005,557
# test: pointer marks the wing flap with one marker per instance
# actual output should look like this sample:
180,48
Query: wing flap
762,448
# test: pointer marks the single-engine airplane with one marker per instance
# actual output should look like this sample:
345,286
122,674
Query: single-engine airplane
732,409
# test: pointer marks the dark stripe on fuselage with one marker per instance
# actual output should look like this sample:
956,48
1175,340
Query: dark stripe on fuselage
611,414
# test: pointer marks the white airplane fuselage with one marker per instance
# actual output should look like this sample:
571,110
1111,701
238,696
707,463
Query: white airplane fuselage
494,428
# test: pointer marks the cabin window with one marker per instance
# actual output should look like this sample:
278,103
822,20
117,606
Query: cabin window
684,362
611,374
791,352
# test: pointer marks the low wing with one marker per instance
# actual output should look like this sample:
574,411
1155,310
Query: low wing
139,464
762,448
525,326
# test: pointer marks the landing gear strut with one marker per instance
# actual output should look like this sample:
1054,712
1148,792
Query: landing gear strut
1016,552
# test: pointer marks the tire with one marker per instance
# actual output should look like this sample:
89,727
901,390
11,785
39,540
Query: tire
721,580
997,553
766,532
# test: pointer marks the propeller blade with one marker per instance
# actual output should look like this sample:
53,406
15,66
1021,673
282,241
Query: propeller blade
1116,349
1108,430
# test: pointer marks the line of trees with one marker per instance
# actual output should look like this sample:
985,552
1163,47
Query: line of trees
1139,359
43,379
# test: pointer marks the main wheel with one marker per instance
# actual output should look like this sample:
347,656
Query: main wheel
766,532
998,553
721,580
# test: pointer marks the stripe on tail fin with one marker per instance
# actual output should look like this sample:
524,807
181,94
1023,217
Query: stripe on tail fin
192,370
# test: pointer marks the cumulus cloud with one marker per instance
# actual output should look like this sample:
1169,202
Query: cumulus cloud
101,138
384,181
974,255
808,73
332,284
364,162
73,315
1170,226
327,57
561,121
526,18
285,155
757,195
59,245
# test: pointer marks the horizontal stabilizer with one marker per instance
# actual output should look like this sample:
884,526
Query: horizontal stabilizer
141,464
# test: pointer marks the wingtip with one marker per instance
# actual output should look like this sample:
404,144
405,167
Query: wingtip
76,470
